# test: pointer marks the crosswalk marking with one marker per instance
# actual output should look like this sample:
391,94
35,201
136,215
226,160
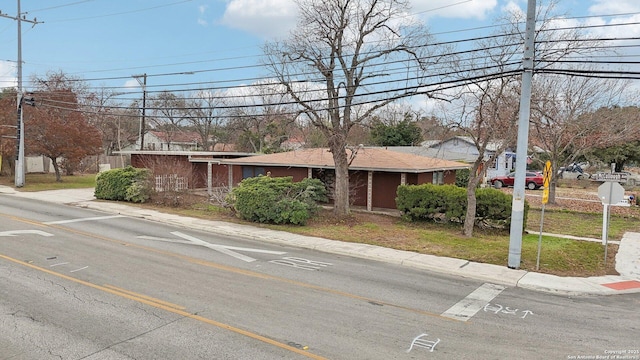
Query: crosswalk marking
466,308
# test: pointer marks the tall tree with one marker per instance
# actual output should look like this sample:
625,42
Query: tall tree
494,75
56,128
118,127
261,118
405,132
169,114
207,118
345,47
565,123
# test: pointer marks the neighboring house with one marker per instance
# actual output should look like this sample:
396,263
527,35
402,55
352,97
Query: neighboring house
374,174
171,141
463,146
293,143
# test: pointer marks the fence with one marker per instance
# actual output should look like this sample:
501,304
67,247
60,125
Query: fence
171,182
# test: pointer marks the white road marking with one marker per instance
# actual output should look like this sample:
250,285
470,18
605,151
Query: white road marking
466,308
20,232
79,269
300,263
83,219
227,250
58,264
155,238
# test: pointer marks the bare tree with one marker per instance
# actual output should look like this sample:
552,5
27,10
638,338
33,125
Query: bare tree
168,114
207,117
340,65
565,122
262,118
494,73
488,106
103,111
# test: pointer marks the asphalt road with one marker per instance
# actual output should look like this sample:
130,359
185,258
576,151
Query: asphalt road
81,284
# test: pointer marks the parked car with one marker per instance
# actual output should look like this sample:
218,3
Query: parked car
574,171
533,180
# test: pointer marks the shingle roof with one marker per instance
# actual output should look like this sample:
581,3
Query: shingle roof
366,159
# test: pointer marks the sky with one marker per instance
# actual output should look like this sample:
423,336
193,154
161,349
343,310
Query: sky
108,42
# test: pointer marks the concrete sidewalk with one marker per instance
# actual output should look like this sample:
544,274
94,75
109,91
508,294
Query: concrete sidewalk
627,259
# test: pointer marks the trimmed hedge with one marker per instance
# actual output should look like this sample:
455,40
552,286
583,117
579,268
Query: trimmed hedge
448,203
126,184
277,200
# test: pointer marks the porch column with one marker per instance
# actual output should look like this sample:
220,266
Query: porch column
209,180
369,190
230,173
403,178
309,173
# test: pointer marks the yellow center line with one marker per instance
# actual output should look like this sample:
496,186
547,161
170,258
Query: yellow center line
141,296
163,305
250,273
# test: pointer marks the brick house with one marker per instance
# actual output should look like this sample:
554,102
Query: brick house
374,173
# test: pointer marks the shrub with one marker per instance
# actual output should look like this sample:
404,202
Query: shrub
277,200
462,177
449,203
126,184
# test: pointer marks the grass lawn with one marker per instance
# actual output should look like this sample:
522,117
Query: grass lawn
559,256
40,182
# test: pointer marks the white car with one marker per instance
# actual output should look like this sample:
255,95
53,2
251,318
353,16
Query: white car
573,174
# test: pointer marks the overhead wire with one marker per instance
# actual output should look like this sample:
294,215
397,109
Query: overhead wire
391,81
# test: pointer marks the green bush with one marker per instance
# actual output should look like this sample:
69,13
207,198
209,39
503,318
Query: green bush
448,203
277,200
126,184
462,177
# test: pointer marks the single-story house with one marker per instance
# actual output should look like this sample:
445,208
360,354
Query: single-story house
374,173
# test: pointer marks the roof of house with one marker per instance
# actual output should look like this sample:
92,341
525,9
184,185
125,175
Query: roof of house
491,146
376,159
434,153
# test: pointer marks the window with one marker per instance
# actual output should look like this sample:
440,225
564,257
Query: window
438,177
251,171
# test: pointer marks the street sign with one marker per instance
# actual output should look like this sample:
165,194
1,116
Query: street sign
546,179
610,193
617,177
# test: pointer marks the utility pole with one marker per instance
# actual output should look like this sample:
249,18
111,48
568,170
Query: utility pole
144,106
19,167
517,207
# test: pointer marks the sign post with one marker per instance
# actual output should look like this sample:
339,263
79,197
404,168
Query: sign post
610,193
546,176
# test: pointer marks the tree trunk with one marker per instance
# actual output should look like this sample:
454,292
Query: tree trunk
56,167
341,187
470,216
